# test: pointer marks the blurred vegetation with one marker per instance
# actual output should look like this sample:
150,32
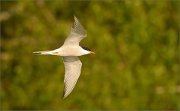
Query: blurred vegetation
136,65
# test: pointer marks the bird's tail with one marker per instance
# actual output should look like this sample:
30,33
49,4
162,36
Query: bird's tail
43,52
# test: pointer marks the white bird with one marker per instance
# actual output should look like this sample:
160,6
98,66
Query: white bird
70,51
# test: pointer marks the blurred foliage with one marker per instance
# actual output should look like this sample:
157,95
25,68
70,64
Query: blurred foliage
136,65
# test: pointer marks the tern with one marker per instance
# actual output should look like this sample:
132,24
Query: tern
70,52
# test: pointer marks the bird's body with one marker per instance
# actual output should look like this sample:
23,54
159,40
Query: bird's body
70,51
65,51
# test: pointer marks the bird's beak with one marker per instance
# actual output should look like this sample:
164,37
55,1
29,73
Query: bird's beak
92,52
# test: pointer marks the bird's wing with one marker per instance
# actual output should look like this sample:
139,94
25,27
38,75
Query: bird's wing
77,33
72,72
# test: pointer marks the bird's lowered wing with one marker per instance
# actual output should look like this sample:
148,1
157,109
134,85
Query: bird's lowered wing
77,33
72,72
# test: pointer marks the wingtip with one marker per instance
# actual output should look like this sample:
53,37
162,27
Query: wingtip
64,96
75,17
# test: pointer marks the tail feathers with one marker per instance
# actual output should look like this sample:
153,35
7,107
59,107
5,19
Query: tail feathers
43,52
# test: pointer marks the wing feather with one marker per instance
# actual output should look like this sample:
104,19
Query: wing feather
77,33
72,72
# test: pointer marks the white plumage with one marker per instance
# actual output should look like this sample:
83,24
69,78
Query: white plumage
72,73
70,51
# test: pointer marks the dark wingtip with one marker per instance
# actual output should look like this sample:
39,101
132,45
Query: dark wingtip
63,96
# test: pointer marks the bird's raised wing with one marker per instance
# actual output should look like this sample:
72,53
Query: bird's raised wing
72,72
77,33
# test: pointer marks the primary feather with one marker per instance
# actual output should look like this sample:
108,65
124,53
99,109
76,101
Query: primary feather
77,33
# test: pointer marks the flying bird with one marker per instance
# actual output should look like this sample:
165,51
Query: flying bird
70,52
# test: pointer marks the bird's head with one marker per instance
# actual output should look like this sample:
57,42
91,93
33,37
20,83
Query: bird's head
88,51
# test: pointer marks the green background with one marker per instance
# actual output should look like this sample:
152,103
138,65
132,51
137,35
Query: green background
136,66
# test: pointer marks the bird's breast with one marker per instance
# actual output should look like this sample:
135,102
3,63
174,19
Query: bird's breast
70,51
